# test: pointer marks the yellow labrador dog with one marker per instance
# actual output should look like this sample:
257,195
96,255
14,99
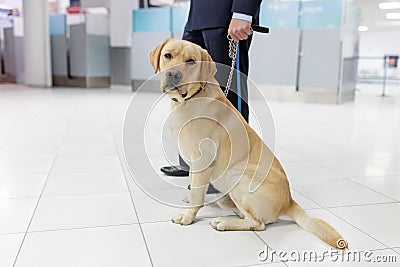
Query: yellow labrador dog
221,148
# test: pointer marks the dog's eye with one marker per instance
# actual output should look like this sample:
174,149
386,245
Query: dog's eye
190,61
168,56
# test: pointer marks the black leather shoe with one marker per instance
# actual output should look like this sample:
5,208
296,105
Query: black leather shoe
175,170
211,189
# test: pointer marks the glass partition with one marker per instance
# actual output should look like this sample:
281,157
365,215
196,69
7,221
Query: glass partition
321,14
152,20
279,15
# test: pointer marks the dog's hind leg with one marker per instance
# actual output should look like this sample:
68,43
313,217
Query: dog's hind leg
237,224
227,203
251,220
248,223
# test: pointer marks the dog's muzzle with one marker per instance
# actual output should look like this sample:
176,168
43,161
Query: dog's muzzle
173,76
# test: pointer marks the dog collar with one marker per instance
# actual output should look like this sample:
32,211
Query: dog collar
198,91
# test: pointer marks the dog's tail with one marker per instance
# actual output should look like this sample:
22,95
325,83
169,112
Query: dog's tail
318,227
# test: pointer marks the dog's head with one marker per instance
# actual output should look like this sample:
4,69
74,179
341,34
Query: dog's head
185,67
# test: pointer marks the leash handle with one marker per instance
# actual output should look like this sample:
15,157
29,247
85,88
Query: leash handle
261,29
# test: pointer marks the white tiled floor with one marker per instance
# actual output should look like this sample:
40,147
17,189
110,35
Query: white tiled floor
67,199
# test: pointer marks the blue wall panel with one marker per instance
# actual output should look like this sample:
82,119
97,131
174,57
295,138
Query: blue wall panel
179,18
98,56
57,24
316,14
152,20
279,15
321,14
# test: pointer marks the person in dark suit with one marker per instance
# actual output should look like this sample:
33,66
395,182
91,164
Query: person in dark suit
208,24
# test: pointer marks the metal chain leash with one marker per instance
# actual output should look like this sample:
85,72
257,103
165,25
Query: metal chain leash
232,54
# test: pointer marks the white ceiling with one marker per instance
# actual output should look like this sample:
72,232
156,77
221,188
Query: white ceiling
375,18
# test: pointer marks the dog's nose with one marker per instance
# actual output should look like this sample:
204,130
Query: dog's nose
173,76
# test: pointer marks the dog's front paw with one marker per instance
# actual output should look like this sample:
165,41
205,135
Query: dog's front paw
218,224
182,219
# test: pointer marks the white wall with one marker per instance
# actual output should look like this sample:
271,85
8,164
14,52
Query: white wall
37,61
121,23
97,24
94,3
12,3
378,44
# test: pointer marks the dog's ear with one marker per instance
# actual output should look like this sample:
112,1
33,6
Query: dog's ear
155,55
208,67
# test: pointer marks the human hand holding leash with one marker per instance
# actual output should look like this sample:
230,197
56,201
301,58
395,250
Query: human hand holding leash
239,29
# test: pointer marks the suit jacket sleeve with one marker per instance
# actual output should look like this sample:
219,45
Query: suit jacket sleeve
248,7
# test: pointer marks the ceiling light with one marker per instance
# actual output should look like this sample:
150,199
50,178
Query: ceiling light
97,10
393,15
389,5
362,28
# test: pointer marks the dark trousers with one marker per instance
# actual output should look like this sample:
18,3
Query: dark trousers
216,43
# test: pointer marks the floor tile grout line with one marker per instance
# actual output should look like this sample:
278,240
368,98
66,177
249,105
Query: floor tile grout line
83,227
341,178
372,177
86,194
392,249
202,219
344,206
121,161
24,197
18,133
22,130
367,234
24,174
325,169
301,180
140,226
378,249
12,233
41,193
262,264
361,205
33,214
67,195
301,194
83,172
94,155
263,241
329,211
365,186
